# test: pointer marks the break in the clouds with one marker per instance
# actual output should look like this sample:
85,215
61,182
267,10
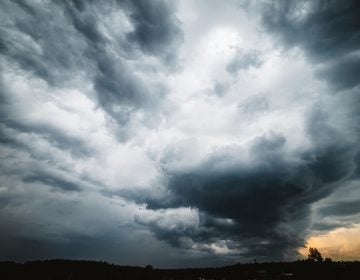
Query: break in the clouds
177,133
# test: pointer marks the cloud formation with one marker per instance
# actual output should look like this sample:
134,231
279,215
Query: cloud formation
214,137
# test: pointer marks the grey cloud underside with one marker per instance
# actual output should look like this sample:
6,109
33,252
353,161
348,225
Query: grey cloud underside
328,31
51,180
269,198
57,41
55,136
326,227
156,30
344,208
259,207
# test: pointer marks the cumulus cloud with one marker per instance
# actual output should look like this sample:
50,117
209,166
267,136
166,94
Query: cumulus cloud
268,196
265,193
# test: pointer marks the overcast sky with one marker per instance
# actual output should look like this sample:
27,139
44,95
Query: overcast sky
179,133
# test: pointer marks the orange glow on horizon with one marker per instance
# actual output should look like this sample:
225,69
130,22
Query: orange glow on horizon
339,244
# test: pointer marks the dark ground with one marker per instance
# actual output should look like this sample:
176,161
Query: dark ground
76,270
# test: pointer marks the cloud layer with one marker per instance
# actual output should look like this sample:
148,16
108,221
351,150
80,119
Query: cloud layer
201,137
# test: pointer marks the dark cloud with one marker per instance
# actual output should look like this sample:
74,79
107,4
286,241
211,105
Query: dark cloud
357,164
253,199
57,42
85,22
326,227
105,247
122,93
156,28
328,31
57,137
343,208
333,156
53,181
32,40
342,73
57,47
329,34
267,199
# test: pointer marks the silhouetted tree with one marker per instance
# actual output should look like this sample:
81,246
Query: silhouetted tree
315,255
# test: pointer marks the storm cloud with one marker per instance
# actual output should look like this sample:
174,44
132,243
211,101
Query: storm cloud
268,198
200,132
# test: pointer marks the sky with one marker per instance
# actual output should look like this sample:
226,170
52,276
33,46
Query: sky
179,133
